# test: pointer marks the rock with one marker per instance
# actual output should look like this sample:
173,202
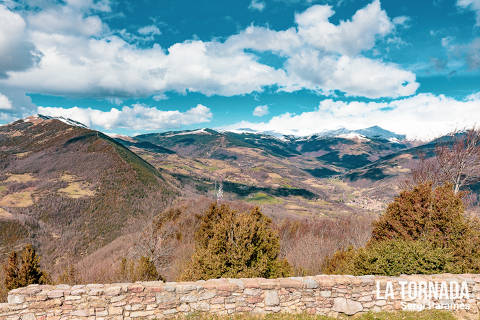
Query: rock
79,313
138,314
165,297
206,295
200,306
189,298
326,293
271,298
15,299
28,316
113,291
347,306
310,283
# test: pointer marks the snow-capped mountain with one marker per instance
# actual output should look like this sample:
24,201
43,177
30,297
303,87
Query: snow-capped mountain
40,117
366,133
371,132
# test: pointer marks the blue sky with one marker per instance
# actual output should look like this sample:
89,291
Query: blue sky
291,66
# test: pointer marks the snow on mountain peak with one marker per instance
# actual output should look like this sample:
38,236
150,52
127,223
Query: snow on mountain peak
39,117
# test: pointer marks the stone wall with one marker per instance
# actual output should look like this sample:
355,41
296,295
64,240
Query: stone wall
327,295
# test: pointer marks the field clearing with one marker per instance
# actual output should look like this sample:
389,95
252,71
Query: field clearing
69,177
263,198
4,214
77,190
17,200
22,154
21,178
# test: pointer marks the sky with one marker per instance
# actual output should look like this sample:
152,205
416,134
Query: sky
289,66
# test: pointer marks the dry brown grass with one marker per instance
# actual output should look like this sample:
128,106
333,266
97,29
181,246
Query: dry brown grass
69,177
17,200
20,178
4,214
76,190
22,154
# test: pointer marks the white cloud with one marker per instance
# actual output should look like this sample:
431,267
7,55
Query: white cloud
473,5
108,67
159,97
260,111
423,116
257,5
149,30
16,53
69,20
356,76
136,117
82,57
349,37
401,21
5,103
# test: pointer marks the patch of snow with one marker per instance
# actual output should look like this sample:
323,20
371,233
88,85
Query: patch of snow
39,117
352,136
199,131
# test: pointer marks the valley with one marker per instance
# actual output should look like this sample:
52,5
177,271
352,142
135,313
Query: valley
85,198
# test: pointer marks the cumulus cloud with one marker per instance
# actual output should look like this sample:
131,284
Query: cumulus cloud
16,52
356,76
5,103
423,116
136,117
81,57
473,5
349,37
257,5
324,57
260,111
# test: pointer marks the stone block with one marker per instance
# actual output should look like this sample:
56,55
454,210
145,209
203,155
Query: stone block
347,306
271,298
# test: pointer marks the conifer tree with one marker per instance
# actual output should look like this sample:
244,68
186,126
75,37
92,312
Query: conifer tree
235,244
30,272
11,272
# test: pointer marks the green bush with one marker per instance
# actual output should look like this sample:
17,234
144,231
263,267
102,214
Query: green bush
423,231
395,257
234,244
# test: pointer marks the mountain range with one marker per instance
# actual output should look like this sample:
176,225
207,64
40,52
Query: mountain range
73,191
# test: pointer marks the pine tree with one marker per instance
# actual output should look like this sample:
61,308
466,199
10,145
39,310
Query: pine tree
11,272
235,244
30,272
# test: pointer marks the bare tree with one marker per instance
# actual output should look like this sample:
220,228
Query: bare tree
456,162
157,242
460,162
424,170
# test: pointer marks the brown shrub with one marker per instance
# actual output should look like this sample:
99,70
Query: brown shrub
307,243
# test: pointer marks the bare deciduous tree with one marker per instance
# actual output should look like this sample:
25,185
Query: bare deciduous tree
456,162
157,242
460,162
